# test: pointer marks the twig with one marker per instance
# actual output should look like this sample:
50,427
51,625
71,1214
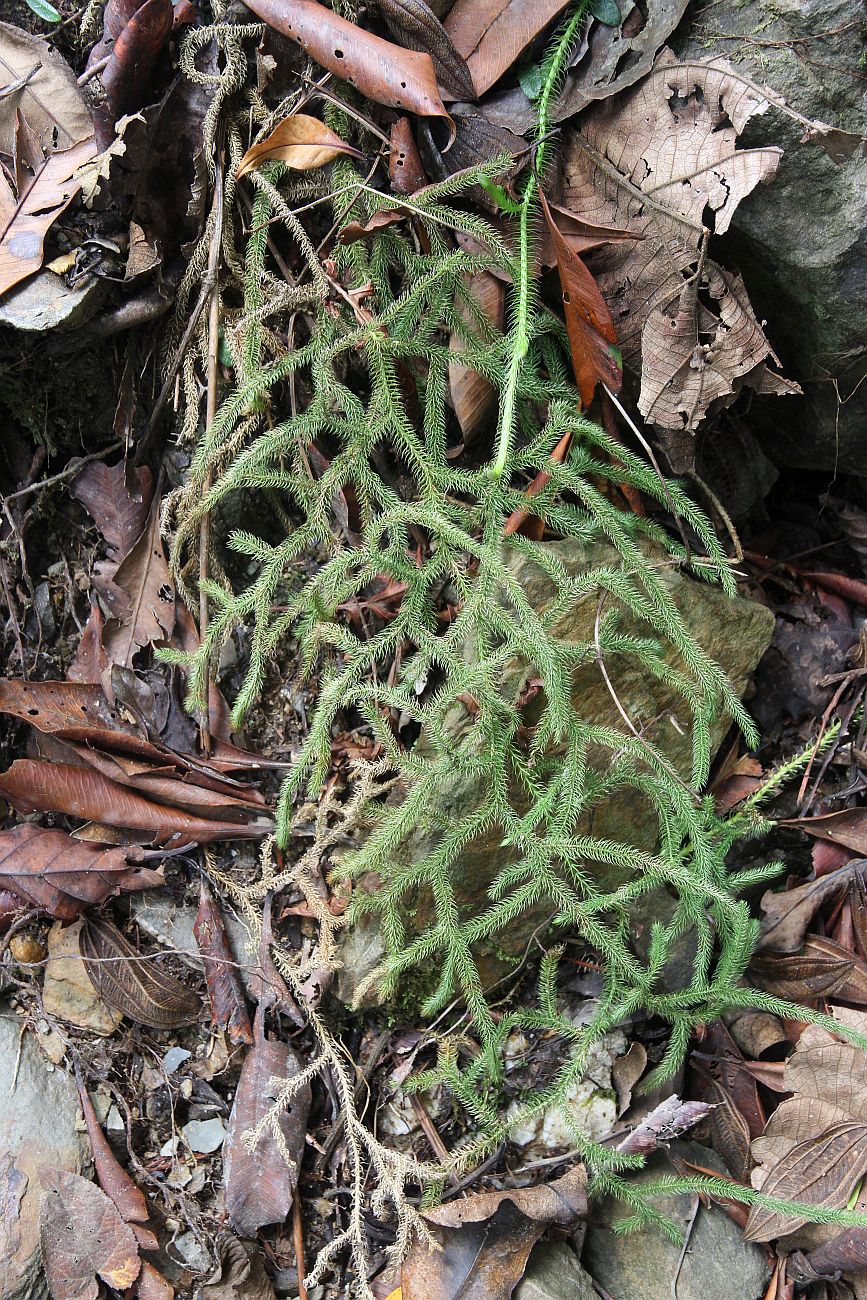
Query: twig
686,1237
298,1240
210,413
72,468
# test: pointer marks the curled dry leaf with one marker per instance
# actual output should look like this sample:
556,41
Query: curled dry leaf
239,1275
485,1240
42,199
133,36
137,988
666,1121
385,73
615,57
299,141
480,305
814,1147
405,167
847,828
659,166
50,870
34,786
823,968
84,1238
226,996
260,1182
128,1200
492,34
592,336
786,915
414,24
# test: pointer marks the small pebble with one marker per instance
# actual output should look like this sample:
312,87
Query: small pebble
204,1135
174,1057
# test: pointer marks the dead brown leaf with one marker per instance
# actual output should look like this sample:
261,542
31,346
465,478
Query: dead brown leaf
68,992
814,1147
42,89
492,34
140,596
485,1239
239,1275
137,988
259,1184
822,969
84,1238
658,166
121,518
226,996
40,201
847,827
666,1121
785,916
50,870
299,141
402,79
480,305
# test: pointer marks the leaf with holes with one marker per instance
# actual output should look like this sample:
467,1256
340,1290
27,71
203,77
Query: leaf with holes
137,988
299,141
260,1183
382,71
84,1238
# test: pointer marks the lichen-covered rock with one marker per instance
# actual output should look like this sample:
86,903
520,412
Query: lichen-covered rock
39,1114
803,239
736,632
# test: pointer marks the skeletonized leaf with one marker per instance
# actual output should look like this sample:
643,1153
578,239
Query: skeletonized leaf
48,194
259,1184
380,70
137,988
83,1238
417,27
492,34
50,870
299,141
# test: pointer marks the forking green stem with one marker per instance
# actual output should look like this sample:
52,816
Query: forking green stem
520,335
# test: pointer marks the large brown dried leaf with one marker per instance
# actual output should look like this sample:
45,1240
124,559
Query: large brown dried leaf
847,827
492,34
822,969
299,141
133,36
46,195
814,1147
414,24
616,57
83,1238
485,1239
785,916
480,304
140,596
402,79
139,989
128,1199
50,870
259,1184
47,96
657,166
34,786
102,490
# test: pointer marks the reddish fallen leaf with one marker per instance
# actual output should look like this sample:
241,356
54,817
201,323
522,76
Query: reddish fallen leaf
120,518
405,167
485,1240
34,786
416,27
401,79
592,336
140,595
259,1184
43,197
137,988
151,1285
226,996
492,34
853,589
83,1238
523,520
50,870
354,231
133,37
848,828
90,665
127,1198
299,141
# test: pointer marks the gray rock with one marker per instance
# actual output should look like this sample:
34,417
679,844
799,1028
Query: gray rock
800,241
718,1264
735,631
45,302
39,1115
553,1273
